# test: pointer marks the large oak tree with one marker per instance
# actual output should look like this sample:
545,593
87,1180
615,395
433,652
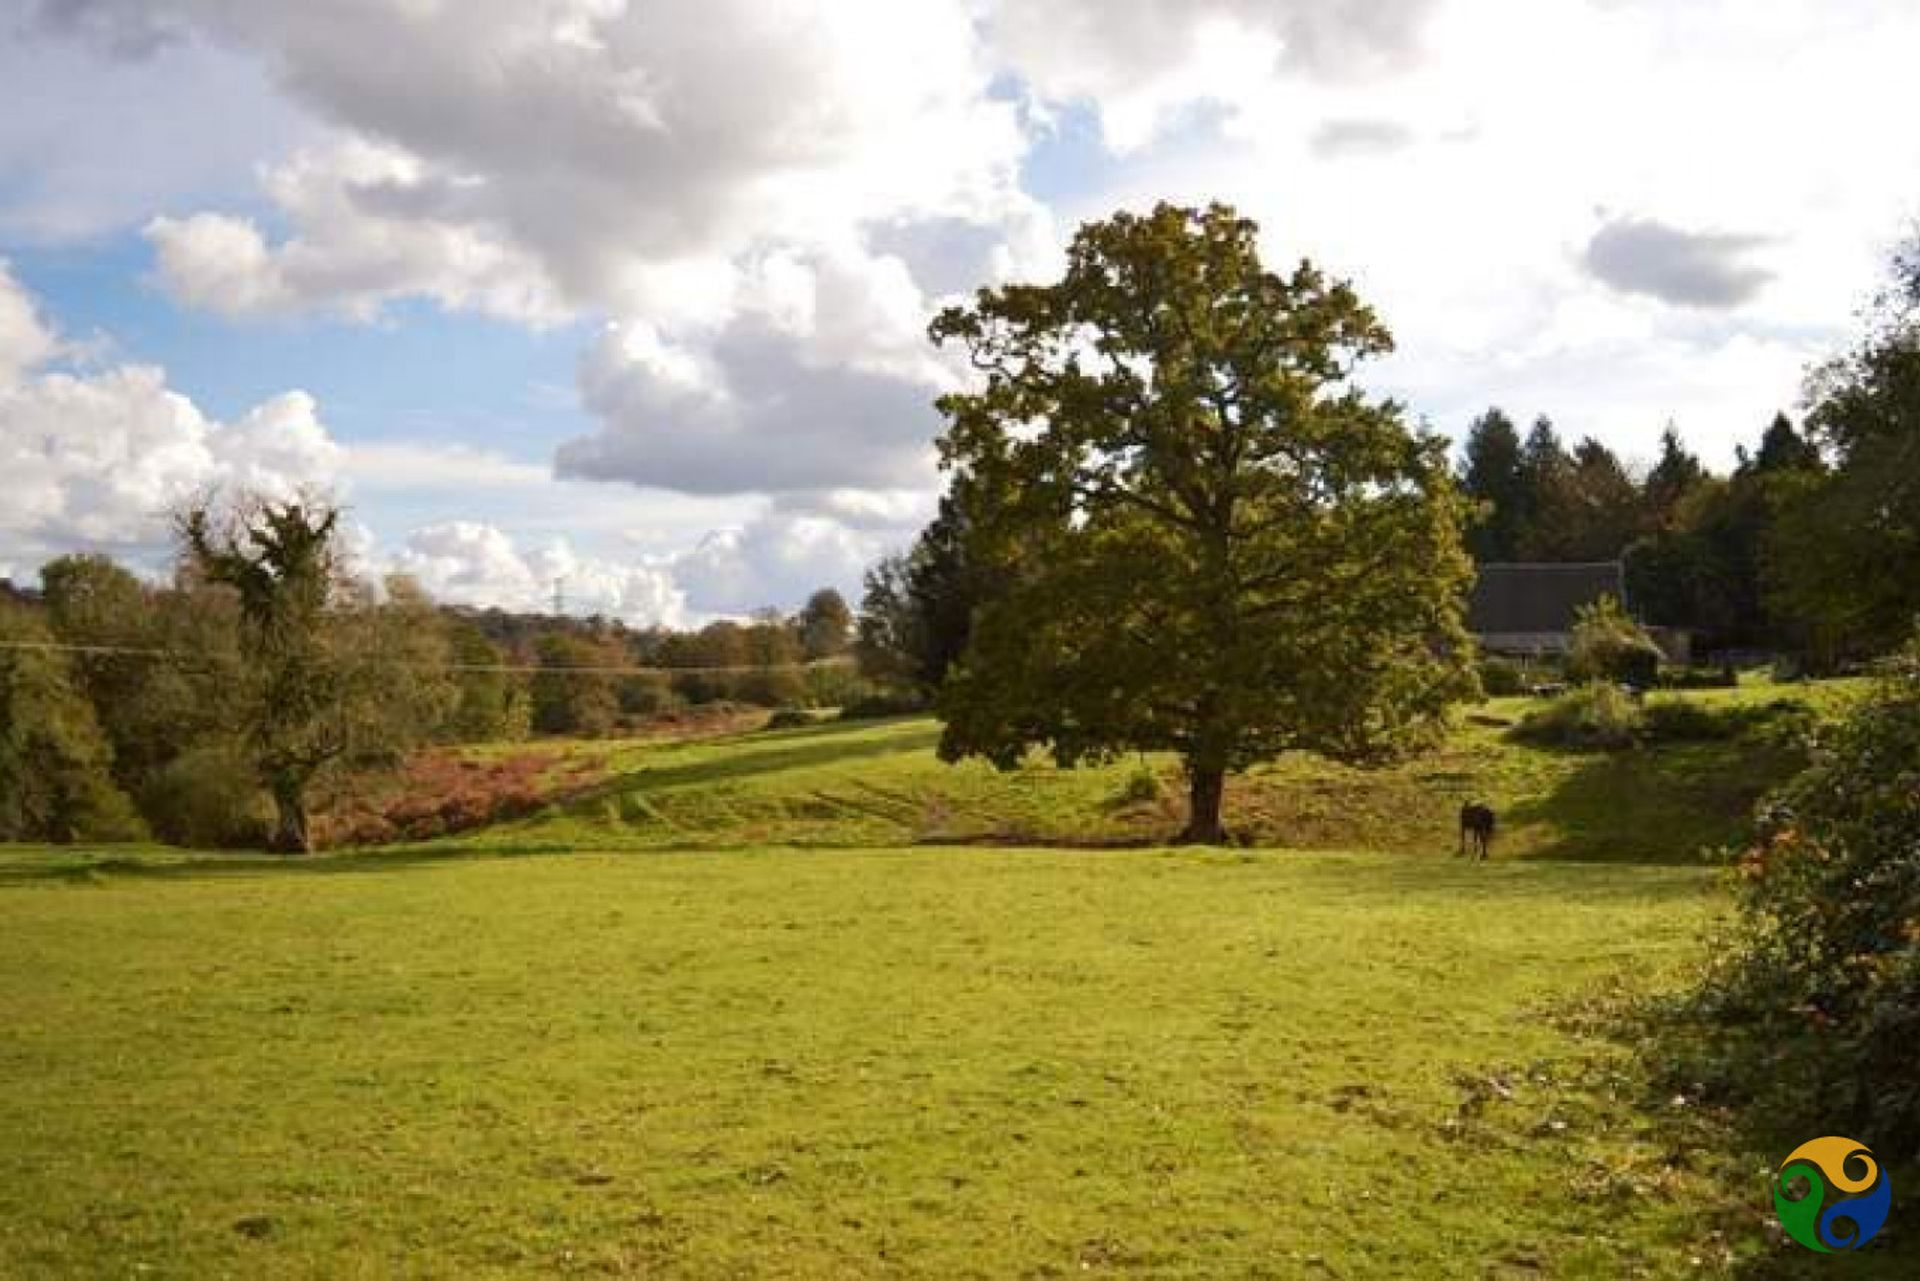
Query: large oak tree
1205,538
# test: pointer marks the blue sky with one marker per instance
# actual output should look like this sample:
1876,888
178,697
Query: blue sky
635,294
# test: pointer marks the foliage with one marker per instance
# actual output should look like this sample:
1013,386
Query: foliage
882,704
1211,541
1608,645
1711,564
1820,999
1601,715
1142,786
572,693
1500,677
329,676
151,708
790,718
488,705
916,616
56,780
825,625
1723,677
1492,476
1850,551
209,798
1597,714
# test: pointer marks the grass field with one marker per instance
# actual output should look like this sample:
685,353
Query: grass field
499,1056
948,1063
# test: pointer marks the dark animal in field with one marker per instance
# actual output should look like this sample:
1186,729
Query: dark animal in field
1476,830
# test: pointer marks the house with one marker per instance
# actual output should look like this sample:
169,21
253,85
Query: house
1531,608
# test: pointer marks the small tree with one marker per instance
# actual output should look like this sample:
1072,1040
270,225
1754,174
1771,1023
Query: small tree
826,624
1608,645
1211,542
56,781
572,692
329,676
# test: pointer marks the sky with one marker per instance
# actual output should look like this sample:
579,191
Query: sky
632,295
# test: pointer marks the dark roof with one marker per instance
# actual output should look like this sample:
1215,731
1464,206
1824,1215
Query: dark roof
1539,597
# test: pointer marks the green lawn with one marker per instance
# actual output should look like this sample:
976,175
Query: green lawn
930,1062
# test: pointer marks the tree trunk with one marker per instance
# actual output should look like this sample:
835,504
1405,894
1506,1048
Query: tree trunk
1206,787
290,834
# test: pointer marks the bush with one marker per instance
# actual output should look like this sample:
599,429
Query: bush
208,798
1608,645
646,694
1142,787
1501,678
789,718
876,706
1818,1003
1698,678
1680,720
1598,714
56,765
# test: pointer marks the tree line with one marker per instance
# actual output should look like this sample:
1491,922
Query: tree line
1809,547
1173,522
212,709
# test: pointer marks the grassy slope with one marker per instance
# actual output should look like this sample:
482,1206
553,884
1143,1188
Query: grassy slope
987,1062
880,784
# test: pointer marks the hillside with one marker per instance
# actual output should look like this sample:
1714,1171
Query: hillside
879,783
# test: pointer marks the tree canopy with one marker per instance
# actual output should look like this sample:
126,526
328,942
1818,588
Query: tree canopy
1207,538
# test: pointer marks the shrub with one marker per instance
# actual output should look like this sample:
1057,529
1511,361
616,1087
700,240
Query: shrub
1818,1002
1608,645
1698,678
647,694
1784,721
770,686
1595,715
876,706
208,798
1501,678
789,718
1142,787
56,765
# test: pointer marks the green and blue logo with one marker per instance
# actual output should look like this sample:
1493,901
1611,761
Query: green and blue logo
1831,1195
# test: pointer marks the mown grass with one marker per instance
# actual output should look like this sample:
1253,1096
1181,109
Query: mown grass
923,1062
879,783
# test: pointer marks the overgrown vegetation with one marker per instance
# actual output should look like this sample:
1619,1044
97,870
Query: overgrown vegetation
1815,1006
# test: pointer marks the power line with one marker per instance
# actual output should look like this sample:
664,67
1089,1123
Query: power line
177,656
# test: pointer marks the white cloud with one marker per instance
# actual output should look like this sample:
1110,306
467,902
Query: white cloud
761,203
472,563
109,120
1141,63
98,460
824,378
25,339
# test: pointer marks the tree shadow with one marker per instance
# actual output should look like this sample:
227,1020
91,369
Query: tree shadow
1668,804
753,756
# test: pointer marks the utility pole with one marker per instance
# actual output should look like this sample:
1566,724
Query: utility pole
559,597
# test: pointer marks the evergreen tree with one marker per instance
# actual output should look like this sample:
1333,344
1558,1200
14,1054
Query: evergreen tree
1493,476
